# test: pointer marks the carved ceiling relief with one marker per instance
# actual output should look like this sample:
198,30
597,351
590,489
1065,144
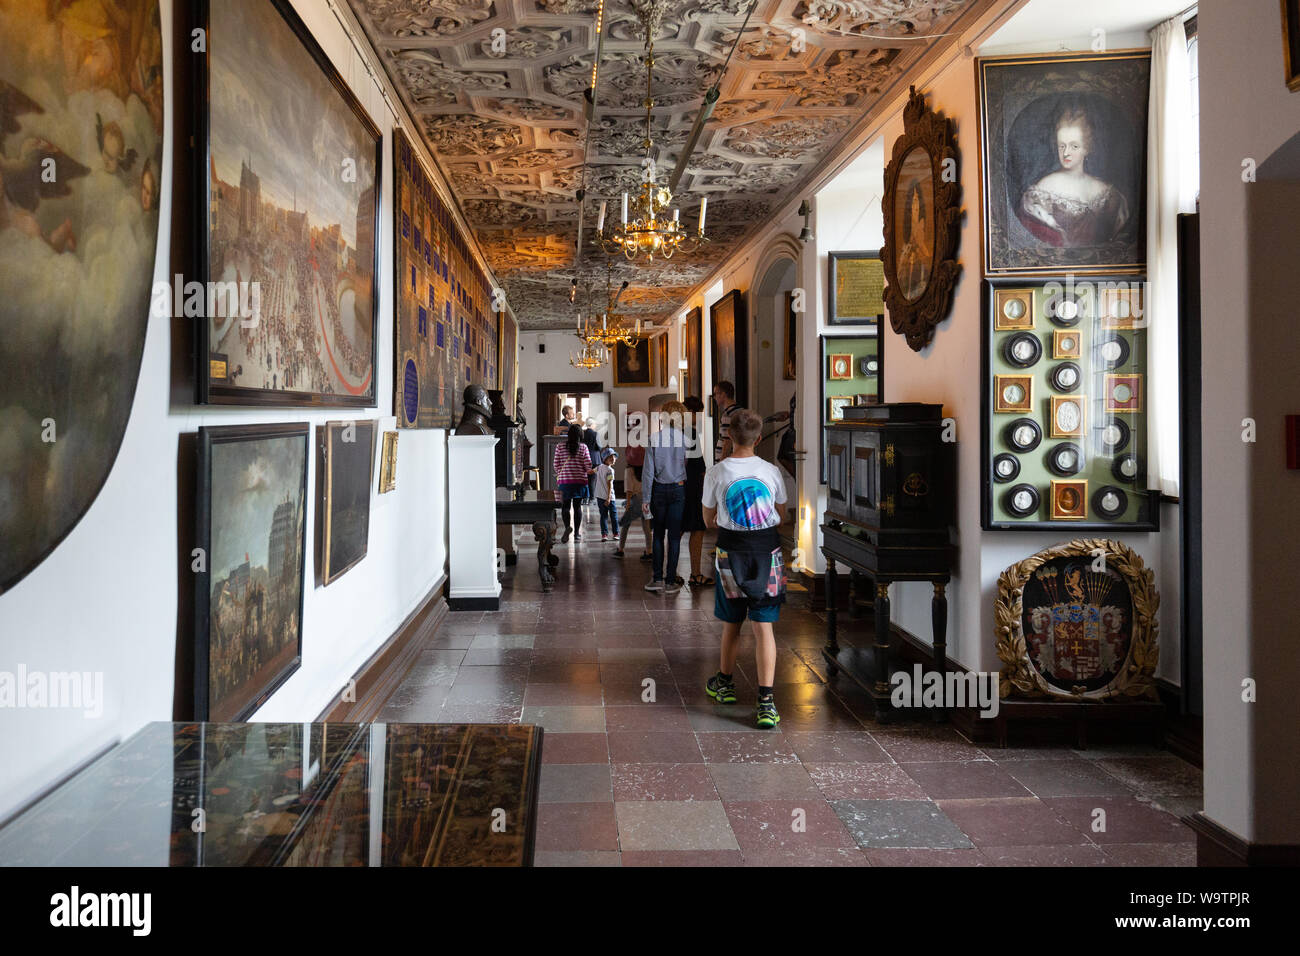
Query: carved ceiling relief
507,124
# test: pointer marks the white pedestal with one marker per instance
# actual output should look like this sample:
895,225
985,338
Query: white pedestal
471,524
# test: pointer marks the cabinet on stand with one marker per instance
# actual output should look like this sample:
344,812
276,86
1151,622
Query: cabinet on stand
889,517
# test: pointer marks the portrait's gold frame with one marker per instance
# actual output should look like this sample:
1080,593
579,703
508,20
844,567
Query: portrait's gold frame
388,463
1136,677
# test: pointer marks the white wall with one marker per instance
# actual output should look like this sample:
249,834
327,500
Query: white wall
106,599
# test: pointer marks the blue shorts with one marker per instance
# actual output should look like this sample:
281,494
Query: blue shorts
733,610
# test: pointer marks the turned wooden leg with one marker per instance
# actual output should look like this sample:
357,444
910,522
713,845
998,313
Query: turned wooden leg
939,623
882,637
832,589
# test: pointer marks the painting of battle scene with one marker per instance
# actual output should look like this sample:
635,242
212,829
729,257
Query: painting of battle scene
81,127
252,490
292,189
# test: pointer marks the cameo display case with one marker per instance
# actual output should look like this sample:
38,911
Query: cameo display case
853,373
1064,434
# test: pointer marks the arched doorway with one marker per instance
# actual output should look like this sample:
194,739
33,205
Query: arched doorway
777,330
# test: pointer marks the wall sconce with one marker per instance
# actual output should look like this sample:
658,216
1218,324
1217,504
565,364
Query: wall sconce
805,210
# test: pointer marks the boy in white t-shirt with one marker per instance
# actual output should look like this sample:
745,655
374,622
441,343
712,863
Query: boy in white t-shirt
744,498
605,494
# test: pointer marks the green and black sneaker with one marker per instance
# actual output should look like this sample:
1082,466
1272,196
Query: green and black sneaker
722,689
767,715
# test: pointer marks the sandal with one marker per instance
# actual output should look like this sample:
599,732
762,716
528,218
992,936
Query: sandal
700,581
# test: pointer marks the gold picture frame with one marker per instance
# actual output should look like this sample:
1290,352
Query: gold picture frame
1081,428
835,404
1010,317
1117,308
1137,397
1134,678
1067,344
1069,499
1005,384
388,463
839,366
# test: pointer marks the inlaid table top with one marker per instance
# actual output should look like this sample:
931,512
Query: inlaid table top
264,794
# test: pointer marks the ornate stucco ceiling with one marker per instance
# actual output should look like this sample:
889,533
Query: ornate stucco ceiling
508,127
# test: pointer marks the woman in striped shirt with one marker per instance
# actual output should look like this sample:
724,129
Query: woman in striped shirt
572,466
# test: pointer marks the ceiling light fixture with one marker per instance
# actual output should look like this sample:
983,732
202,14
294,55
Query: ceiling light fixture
645,228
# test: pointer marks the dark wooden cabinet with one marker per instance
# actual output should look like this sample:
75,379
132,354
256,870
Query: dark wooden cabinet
890,510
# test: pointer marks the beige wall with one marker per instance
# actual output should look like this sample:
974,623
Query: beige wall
1251,509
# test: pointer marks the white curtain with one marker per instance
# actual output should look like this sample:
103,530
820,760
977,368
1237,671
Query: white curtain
1171,189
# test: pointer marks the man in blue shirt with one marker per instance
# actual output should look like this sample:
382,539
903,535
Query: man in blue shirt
665,474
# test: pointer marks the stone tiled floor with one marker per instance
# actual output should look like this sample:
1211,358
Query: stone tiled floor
641,769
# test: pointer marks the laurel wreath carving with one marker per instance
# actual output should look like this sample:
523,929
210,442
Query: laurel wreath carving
1135,679
915,319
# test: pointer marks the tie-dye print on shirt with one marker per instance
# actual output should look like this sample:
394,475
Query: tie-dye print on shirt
746,492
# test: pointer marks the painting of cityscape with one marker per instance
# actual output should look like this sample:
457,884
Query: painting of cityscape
349,461
291,204
81,135
446,331
252,490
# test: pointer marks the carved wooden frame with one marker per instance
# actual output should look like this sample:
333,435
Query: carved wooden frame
931,131
1019,677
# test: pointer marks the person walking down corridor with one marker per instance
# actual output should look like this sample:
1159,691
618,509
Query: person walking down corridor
665,474
572,469
605,494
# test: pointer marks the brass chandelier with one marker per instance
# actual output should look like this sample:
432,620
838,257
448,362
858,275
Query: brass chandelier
646,230
607,329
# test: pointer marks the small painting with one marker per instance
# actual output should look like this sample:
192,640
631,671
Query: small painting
857,288
348,457
388,464
839,367
251,506
1064,162
835,405
1067,344
1121,306
632,364
914,222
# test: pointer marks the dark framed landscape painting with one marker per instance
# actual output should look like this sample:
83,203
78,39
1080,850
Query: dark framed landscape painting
288,166
251,512
1063,151
729,328
81,140
347,467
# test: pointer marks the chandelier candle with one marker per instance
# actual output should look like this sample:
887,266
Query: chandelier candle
704,204
624,209
600,219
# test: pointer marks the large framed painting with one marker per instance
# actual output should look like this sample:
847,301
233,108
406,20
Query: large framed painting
1078,622
289,165
856,288
661,355
1291,43
81,136
347,457
251,507
633,364
1064,157
447,332
508,359
921,208
729,338
694,383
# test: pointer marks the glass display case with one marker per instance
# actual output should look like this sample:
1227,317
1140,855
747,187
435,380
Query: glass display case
852,373
1064,431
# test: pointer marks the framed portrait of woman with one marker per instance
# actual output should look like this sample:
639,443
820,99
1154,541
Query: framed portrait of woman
1063,153
632,364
